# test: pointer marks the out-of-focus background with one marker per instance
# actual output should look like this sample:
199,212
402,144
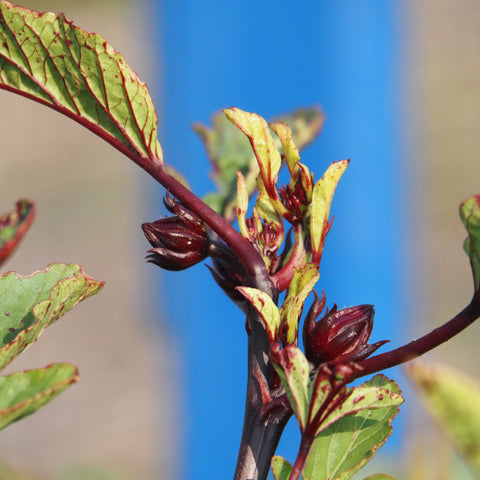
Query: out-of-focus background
91,201
159,392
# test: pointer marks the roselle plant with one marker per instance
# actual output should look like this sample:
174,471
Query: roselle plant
269,267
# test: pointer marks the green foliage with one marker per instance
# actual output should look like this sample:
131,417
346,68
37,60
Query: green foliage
347,445
303,281
294,371
23,393
377,393
452,399
30,304
307,395
281,468
46,58
267,309
321,202
229,151
9,473
267,155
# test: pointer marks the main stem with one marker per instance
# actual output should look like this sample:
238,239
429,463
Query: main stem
261,434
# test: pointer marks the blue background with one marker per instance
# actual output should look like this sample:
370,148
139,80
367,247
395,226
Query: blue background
270,58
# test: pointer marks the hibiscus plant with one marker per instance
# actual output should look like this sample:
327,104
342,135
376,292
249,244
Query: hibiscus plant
269,267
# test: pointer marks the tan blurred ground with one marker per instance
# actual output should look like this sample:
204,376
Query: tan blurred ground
91,201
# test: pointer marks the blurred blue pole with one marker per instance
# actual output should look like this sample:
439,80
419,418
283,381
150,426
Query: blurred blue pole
270,58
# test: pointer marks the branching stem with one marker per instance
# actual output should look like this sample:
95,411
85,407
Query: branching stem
250,258
422,345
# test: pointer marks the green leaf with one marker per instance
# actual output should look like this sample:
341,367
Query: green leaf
290,150
452,399
303,281
348,444
380,392
23,393
320,209
264,148
13,226
242,205
294,372
266,307
48,59
281,468
29,304
470,215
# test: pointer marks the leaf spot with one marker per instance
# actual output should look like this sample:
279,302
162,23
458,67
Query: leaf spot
359,399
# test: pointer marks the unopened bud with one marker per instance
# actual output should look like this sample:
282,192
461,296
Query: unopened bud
340,336
178,242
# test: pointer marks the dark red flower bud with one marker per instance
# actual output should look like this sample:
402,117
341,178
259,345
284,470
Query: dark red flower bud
340,336
180,241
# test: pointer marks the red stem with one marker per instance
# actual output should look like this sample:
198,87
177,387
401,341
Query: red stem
261,434
303,451
422,345
283,277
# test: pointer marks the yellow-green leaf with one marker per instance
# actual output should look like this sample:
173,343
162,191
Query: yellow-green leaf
320,209
294,372
266,307
242,204
290,150
303,281
266,153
